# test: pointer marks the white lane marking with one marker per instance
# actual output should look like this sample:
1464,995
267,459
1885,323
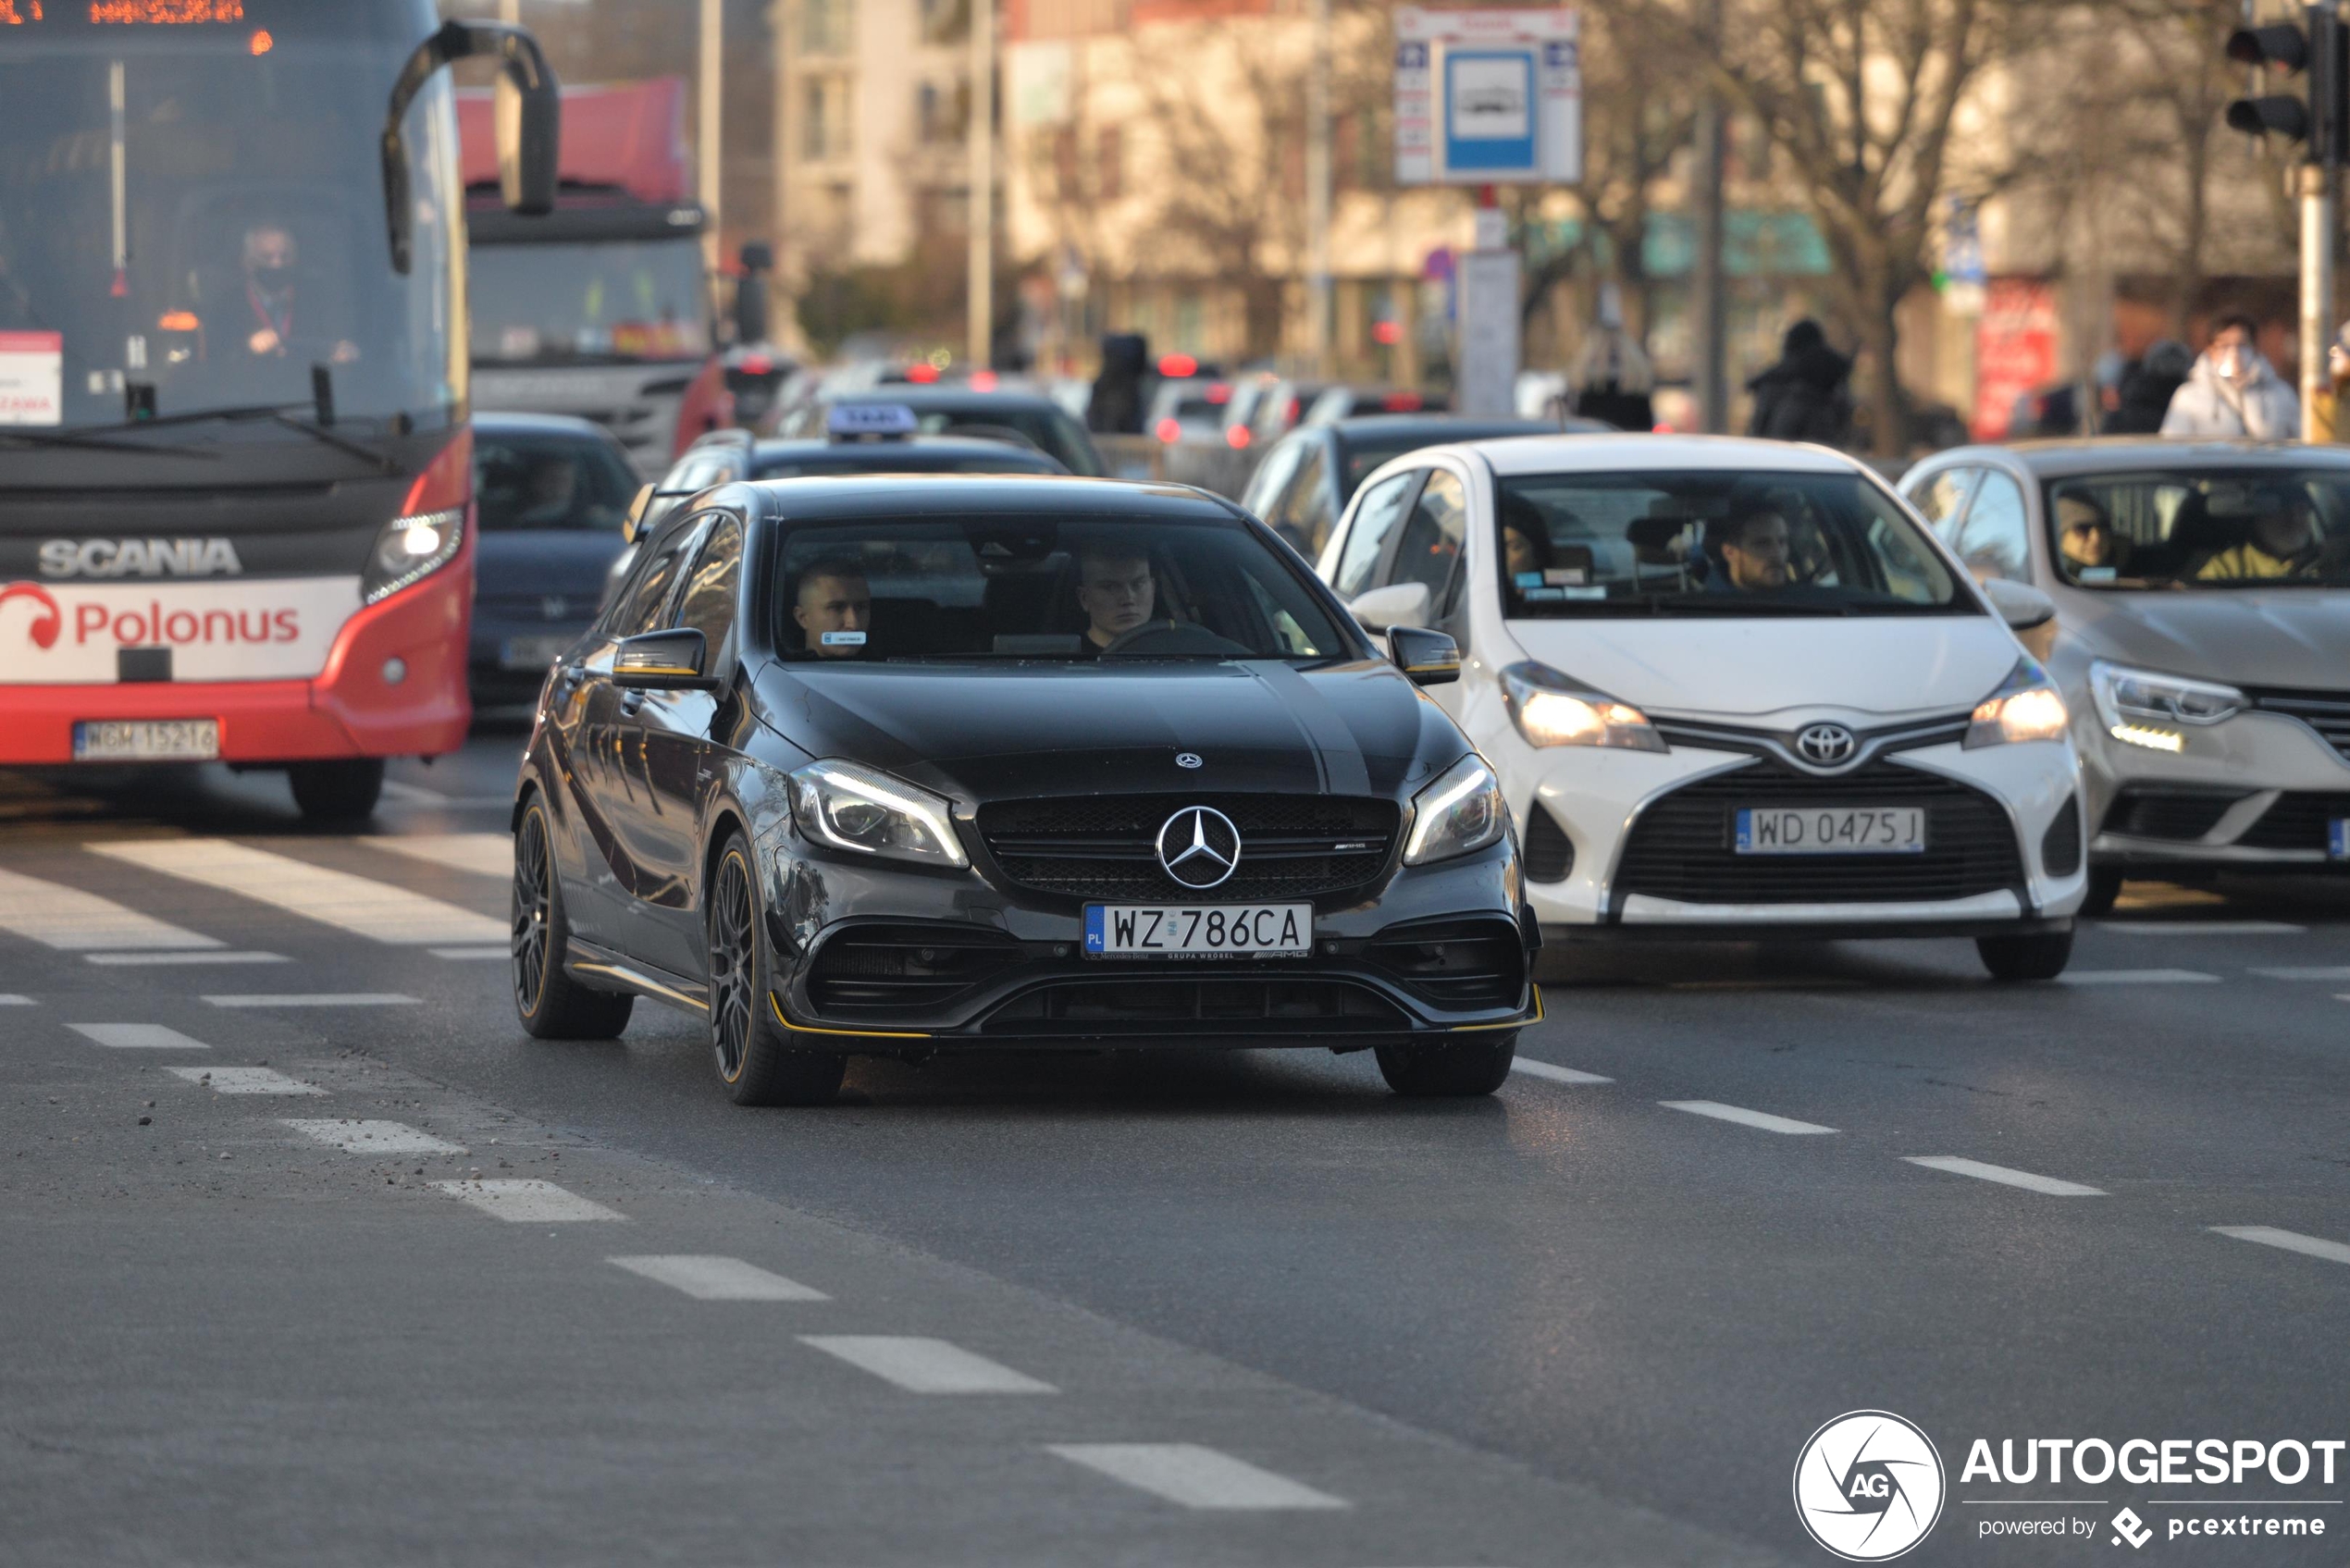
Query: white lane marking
2291,1240
476,954
2136,976
1959,1166
361,1137
925,1366
137,1037
74,921
1556,1074
719,1279
1743,1116
12,1000
360,904
530,1202
486,854
416,794
1194,1476
317,999
244,1080
2202,928
2312,972
222,957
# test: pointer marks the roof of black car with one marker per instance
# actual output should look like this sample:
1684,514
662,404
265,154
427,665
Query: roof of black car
1030,495
1431,428
879,454
919,396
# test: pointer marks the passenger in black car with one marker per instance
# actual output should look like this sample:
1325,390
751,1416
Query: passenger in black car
1117,591
835,609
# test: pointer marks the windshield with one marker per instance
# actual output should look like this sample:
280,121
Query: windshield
1059,590
1364,455
191,216
606,300
1715,543
533,481
2212,528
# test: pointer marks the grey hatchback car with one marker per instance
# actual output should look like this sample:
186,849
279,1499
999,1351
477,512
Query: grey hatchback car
2202,638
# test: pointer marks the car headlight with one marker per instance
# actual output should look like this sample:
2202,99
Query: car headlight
410,547
1461,811
845,807
2140,707
2026,707
1551,710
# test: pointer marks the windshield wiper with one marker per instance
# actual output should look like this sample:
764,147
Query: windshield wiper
276,413
100,444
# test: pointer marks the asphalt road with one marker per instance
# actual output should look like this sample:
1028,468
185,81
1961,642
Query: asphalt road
1242,1309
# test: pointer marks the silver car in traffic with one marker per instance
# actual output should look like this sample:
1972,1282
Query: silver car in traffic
2202,638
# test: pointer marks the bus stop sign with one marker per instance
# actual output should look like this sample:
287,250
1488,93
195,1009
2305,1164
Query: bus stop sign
1488,97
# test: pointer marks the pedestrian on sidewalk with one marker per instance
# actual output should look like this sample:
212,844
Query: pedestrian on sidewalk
2147,387
1803,396
1613,378
2234,392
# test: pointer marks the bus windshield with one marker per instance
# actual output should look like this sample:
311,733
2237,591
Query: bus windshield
192,215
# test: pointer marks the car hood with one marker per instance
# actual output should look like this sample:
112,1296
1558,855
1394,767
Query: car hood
1742,672
2245,636
538,563
1006,732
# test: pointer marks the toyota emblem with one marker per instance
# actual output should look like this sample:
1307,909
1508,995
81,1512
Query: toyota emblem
1199,847
1825,744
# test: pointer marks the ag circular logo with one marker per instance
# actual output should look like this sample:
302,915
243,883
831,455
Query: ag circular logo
1199,847
1825,744
1868,1486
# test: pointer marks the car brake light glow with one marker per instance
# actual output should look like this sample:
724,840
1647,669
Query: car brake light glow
923,374
984,381
1176,367
1168,430
1219,392
1236,437
1401,402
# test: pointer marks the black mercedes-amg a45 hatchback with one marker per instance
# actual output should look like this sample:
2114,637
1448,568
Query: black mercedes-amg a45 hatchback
893,766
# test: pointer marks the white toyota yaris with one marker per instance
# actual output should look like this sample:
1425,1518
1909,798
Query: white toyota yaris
1733,688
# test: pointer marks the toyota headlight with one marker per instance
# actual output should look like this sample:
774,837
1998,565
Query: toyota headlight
843,806
2026,707
1461,811
1551,710
410,548
2143,707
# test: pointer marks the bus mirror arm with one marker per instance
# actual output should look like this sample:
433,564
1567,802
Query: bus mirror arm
528,114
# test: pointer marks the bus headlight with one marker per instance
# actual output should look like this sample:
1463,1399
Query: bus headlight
412,548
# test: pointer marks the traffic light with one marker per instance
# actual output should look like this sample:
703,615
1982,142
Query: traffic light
2321,120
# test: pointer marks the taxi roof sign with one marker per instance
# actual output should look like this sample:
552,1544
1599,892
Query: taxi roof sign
849,421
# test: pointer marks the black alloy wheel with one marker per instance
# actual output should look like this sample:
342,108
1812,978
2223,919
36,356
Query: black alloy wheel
2039,955
762,1062
550,1004
1459,1067
342,790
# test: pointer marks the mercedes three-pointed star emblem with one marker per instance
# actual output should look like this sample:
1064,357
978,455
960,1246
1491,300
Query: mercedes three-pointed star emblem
1199,847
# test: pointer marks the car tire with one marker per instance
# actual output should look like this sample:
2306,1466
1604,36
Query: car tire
550,1004
344,790
2105,886
2039,955
1448,1070
761,1062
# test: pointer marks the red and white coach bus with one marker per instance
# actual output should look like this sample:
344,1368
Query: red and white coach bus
236,485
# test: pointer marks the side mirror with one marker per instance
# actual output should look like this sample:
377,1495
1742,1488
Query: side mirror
634,522
1431,658
1398,604
670,660
528,116
2021,606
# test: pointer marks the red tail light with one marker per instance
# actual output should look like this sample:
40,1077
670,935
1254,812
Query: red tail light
1168,431
984,381
1219,392
1402,402
923,374
1387,331
447,482
757,364
1176,367
1236,437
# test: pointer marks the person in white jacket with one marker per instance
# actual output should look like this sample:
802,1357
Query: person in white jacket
2232,391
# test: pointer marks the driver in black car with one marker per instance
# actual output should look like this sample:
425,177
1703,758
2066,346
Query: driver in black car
835,609
1118,593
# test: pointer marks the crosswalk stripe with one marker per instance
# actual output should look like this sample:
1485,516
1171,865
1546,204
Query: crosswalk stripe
244,1080
74,921
718,1278
149,960
1193,1476
527,1203
925,1366
13,1000
2136,977
137,1037
362,1137
362,906
487,854
2308,971
315,999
